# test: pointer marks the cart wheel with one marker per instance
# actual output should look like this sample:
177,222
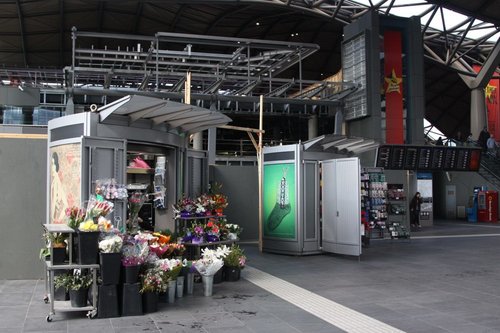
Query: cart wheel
92,314
49,319
46,299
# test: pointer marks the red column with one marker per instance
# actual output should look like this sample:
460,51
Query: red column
393,87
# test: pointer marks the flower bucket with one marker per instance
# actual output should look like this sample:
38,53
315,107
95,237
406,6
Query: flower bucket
107,303
110,268
212,238
208,284
231,273
88,247
131,273
180,286
131,300
218,278
172,288
78,298
149,302
58,255
189,283
197,240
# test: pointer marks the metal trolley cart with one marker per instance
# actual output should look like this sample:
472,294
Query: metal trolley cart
50,268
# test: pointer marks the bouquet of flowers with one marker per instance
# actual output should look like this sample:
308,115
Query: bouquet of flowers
212,231
233,231
111,244
206,201
135,250
220,201
185,207
135,202
75,216
211,260
171,268
97,208
153,281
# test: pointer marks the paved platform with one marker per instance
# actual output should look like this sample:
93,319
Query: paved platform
446,278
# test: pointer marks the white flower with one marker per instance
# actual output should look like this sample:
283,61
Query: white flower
111,244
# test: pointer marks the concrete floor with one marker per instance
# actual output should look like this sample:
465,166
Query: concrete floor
445,279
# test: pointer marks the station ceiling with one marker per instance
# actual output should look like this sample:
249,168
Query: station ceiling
36,34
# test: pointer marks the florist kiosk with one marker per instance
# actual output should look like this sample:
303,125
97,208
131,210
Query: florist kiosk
136,143
304,179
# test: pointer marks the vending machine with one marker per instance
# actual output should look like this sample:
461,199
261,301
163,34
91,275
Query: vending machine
487,206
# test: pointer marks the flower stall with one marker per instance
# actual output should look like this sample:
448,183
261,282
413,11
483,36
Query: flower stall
113,177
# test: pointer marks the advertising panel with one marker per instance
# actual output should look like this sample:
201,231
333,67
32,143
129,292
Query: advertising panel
279,201
65,166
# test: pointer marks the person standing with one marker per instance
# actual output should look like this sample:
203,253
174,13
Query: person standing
491,144
483,138
415,204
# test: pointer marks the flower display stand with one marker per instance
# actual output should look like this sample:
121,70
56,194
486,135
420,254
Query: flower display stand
107,306
52,270
131,303
150,302
110,268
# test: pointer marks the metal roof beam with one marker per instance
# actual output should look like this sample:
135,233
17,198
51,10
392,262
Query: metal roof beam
21,29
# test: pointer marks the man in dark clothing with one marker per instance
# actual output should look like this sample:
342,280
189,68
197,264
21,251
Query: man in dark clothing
483,138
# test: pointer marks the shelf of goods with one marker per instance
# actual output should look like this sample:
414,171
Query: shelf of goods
193,250
374,203
396,207
51,268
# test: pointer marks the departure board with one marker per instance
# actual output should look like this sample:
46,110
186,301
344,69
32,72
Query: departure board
429,158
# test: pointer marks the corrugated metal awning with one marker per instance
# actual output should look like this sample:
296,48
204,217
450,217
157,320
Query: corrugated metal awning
340,144
183,118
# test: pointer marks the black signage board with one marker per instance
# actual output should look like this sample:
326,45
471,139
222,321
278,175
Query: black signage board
428,158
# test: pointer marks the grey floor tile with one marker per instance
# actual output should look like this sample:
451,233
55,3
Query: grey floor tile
12,316
41,325
132,321
181,326
15,299
219,320
233,330
20,286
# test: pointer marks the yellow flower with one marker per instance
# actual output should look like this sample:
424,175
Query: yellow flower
88,225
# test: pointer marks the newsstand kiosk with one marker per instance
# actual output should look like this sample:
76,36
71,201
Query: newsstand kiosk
299,182
89,147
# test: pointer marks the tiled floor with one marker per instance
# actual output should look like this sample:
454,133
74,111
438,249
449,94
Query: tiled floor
427,284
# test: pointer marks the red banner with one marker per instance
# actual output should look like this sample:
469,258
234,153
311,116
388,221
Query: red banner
492,99
393,87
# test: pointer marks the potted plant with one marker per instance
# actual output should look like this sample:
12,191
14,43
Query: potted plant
110,259
234,262
152,283
77,284
56,242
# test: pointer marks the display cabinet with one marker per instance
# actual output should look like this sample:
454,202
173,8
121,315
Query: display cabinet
396,208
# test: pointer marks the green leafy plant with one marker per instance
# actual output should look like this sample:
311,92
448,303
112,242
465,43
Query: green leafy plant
75,281
235,258
55,239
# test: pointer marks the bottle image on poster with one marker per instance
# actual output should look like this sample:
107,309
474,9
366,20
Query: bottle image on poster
279,195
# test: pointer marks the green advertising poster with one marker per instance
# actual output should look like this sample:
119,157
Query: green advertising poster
279,200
